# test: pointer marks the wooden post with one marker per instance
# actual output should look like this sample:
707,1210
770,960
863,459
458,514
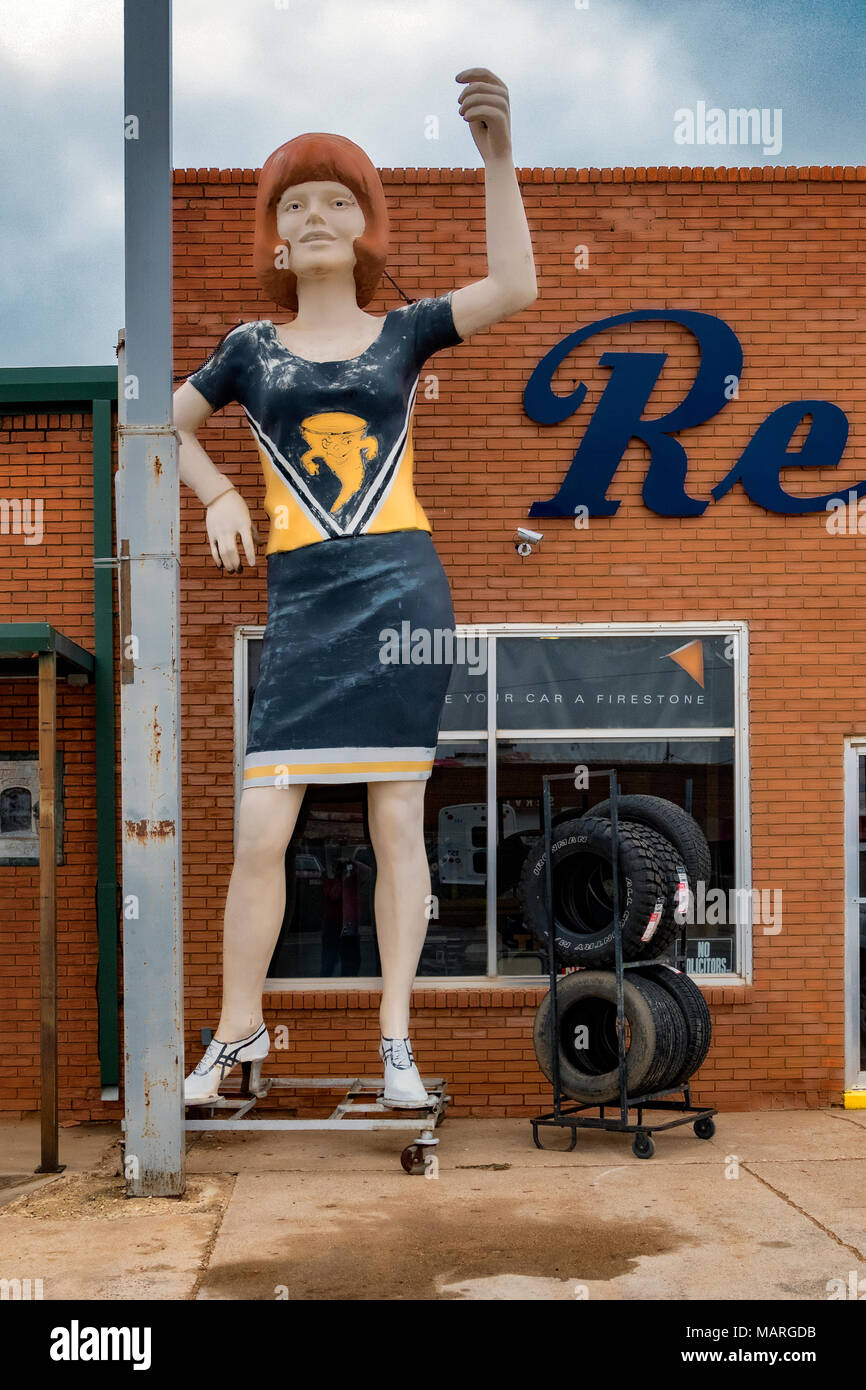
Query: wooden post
48,913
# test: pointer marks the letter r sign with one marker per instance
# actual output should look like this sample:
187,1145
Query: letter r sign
618,418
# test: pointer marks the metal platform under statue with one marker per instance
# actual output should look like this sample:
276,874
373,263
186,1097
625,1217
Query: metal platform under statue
360,1109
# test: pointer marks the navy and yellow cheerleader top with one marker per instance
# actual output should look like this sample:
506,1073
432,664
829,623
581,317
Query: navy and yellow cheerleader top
334,438
335,443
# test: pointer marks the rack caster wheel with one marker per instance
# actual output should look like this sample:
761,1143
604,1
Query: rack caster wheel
412,1159
705,1127
643,1146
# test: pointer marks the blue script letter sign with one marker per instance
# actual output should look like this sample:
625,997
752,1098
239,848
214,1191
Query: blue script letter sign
618,418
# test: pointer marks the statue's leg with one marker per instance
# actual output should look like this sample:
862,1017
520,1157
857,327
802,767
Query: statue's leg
395,813
255,903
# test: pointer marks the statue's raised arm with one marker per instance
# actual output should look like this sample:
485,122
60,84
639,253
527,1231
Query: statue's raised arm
510,284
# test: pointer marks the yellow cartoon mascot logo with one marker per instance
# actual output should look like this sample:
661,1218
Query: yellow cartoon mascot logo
342,442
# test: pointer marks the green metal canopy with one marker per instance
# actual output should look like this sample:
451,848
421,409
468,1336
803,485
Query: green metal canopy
29,386
21,643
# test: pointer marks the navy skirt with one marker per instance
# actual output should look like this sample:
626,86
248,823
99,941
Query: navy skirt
356,659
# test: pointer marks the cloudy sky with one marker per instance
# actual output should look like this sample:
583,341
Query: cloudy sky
594,83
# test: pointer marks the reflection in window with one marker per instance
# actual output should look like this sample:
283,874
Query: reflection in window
695,775
455,817
328,927
16,811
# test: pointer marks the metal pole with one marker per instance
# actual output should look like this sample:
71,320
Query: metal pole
617,935
492,816
551,948
147,535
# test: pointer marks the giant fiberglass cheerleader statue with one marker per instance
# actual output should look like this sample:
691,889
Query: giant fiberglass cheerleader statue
329,398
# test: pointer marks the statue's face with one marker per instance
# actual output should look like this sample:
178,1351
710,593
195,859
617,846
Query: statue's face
319,222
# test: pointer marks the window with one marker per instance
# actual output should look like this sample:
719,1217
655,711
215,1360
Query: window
855,904
663,705
19,807
16,811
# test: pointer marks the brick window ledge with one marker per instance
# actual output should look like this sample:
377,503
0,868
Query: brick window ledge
490,995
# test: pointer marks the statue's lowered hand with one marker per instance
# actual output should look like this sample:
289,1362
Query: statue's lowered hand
227,518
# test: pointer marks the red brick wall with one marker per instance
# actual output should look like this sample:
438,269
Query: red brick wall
779,255
49,456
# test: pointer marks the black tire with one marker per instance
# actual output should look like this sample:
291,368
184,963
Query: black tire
589,1068
671,821
643,1146
660,934
510,856
672,1038
694,1010
581,859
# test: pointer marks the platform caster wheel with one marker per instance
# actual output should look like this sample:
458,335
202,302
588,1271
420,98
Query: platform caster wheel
412,1159
643,1146
705,1127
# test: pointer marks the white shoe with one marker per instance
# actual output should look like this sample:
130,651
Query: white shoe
404,1089
202,1084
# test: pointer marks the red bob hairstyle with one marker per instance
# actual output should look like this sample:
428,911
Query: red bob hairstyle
316,158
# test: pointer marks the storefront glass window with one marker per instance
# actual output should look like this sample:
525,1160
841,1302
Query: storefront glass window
659,708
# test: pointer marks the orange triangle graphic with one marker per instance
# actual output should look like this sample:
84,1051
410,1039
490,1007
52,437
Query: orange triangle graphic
691,658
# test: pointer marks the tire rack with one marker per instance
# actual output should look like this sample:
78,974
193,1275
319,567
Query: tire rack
362,1096
572,1116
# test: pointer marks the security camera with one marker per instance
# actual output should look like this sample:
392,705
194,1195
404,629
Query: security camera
526,539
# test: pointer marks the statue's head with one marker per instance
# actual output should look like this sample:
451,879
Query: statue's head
325,182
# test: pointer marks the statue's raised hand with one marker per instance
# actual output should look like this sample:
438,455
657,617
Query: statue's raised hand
484,104
227,518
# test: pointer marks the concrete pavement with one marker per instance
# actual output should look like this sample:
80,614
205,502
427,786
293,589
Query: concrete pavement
774,1206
